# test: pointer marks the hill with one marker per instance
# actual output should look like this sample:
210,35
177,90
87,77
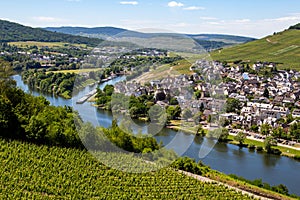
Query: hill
282,48
41,172
222,38
297,27
13,32
98,32
208,41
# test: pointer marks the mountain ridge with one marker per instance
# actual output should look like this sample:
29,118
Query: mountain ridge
112,31
15,32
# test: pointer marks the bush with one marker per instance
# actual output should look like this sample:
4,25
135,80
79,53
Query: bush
251,146
259,148
297,157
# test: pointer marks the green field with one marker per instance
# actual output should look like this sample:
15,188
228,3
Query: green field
285,151
24,44
283,47
76,71
40,172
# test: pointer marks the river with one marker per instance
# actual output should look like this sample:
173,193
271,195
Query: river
226,158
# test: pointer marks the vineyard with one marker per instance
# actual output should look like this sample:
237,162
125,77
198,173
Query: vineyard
30,171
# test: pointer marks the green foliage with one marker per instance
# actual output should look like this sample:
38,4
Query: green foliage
294,131
11,32
23,116
233,105
40,172
265,129
282,189
240,137
296,27
254,128
269,143
60,84
173,101
173,112
5,69
221,134
279,48
189,165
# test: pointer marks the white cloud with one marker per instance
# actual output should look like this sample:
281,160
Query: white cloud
208,18
175,4
194,8
242,20
47,19
181,24
129,3
284,19
214,23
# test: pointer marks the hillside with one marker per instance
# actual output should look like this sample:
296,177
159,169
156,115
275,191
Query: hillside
222,38
100,31
13,32
282,48
61,173
297,27
208,41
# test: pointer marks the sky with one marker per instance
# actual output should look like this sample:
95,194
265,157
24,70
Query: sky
254,18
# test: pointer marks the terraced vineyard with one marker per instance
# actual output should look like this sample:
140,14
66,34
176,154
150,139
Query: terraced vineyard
281,48
40,172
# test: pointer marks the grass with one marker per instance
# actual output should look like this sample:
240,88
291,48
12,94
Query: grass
182,67
76,71
283,47
174,69
285,151
24,44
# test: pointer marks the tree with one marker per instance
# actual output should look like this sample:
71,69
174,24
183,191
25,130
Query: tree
200,131
266,93
224,135
198,94
221,134
240,137
265,129
173,112
269,143
173,101
254,128
232,105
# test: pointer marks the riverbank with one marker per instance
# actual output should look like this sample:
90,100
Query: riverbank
291,152
285,151
226,158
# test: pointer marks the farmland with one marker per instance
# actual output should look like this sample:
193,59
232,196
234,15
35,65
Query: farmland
282,48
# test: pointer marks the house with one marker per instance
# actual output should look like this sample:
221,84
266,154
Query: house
296,113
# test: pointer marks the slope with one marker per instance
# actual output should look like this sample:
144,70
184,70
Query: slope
207,41
13,32
282,48
39,172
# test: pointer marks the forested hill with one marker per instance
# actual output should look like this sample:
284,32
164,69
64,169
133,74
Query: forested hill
13,32
297,27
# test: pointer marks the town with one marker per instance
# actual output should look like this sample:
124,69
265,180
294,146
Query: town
244,101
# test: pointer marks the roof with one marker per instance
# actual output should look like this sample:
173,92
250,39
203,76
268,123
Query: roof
245,76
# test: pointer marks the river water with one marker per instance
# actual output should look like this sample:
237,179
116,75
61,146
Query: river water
227,158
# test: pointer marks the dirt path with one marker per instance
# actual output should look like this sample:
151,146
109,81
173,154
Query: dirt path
207,180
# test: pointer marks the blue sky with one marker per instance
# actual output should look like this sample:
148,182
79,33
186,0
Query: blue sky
256,18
